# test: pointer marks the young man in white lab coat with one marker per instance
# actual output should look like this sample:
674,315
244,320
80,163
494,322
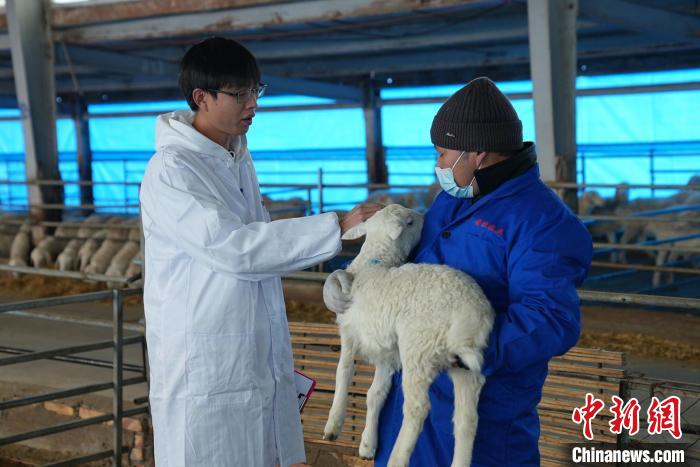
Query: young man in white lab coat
222,390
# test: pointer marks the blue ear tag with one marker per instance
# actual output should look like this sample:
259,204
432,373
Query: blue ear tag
374,261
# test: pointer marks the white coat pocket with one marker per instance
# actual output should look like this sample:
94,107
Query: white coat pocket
219,363
224,430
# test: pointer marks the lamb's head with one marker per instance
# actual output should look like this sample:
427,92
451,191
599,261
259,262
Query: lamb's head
67,261
590,201
394,225
40,258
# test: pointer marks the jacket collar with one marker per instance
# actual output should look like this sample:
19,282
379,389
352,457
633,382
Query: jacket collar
175,129
508,189
491,177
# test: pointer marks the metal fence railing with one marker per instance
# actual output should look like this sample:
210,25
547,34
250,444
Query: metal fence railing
68,354
643,389
314,201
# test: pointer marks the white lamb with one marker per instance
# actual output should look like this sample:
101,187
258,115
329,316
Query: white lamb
88,249
420,318
687,227
100,261
133,272
97,252
68,259
121,261
21,246
48,249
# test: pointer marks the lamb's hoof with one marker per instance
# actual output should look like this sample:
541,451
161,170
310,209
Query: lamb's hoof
366,451
367,458
332,429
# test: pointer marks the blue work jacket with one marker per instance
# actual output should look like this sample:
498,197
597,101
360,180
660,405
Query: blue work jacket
528,252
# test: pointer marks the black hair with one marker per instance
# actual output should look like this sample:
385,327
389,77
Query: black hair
215,63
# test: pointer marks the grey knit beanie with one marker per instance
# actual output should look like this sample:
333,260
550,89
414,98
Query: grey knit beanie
478,117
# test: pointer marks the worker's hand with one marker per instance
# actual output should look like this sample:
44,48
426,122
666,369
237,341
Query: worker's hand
358,214
336,291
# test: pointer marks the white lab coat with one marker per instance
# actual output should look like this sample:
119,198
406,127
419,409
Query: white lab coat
222,390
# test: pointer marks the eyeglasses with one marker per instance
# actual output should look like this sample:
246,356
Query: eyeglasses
245,95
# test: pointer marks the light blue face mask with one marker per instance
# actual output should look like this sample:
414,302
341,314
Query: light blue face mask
447,181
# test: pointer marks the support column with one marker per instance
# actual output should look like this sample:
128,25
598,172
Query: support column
84,156
552,34
33,67
376,163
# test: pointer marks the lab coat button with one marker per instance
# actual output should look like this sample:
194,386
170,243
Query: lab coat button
446,234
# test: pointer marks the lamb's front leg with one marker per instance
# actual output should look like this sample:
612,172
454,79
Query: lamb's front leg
467,386
416,405
375,401
343,377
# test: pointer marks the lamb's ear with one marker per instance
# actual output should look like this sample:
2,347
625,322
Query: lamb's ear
394,229
358,231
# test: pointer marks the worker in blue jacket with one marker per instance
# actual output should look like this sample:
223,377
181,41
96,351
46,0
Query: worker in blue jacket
496,221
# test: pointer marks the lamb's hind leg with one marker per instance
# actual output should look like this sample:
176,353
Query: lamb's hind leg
467,386
375,401
416,405
343,377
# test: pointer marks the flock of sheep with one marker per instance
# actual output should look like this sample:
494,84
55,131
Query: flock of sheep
108,249
672,228
663,227
97,245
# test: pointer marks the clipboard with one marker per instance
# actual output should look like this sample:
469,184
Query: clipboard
304,387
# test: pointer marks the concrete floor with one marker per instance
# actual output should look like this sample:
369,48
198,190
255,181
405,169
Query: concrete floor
43,334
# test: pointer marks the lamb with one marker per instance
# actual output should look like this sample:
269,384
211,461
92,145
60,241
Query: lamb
590,201
418,317
21,246
45,253
88,249
100,261
48,249
8,231
68,259
133,272
690,225
98,251
120,262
